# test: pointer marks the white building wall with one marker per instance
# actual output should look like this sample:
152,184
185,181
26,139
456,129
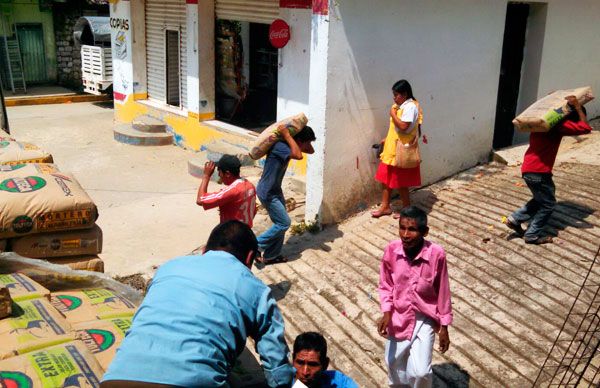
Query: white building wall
121,41
192,55
570,56
449,51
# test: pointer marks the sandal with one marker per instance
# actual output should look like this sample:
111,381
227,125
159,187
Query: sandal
275,260
380,213
539,240
514,226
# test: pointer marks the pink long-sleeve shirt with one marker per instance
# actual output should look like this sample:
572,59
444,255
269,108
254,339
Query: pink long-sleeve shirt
410,286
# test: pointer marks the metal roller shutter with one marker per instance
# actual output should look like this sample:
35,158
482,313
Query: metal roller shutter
160,16
256,11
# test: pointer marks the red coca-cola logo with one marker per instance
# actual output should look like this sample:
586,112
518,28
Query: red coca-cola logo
279,33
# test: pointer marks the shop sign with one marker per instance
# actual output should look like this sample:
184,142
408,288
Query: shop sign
279,33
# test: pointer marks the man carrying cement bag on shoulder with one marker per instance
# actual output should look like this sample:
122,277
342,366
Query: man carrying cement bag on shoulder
194,320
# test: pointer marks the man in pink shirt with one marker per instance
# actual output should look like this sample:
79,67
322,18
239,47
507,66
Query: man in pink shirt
237,201
414,295
537,174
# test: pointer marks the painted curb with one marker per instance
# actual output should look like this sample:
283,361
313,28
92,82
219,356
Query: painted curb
61,99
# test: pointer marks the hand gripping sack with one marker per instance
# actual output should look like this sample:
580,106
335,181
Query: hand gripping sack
548,111
270,135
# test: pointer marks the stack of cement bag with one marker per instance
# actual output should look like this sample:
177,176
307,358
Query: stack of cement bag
44,213
62,338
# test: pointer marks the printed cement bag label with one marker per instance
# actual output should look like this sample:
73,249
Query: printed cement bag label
65,365
14,152
103,337
59,244
550,110
43,203
24,169
34,324
87,305
22,288
270,135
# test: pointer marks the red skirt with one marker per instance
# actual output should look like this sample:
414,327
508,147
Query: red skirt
395,177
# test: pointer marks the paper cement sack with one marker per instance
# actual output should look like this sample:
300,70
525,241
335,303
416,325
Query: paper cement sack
548,111
103,337
270,135
87,305
6,302
34,324
25,169
65,365
14,152
82,263
2,245
22,288
59,244
41,203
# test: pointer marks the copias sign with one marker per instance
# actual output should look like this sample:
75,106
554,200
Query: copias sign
279,33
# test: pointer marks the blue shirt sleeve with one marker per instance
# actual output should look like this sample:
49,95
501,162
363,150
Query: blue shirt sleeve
270,342
336,379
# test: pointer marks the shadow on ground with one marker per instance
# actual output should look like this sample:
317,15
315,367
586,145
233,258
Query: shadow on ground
322,240
450,375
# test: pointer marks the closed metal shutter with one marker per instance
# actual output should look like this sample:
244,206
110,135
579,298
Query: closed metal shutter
255,11
160,16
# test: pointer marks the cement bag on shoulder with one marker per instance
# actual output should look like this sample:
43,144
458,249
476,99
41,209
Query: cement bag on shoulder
270,135
548,111
59,244
14,152
56,277
38,203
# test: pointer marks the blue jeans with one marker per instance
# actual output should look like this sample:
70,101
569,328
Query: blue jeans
539,209
270,242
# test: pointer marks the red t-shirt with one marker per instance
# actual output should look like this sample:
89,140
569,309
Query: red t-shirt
236,201
543,146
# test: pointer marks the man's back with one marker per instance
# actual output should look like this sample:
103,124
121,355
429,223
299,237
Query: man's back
194,321
275,167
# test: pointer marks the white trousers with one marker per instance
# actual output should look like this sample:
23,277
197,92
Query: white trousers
409,361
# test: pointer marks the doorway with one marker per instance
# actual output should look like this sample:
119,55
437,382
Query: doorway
246,74
33,53
172,66
510,73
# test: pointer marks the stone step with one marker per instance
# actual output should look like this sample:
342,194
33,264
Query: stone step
149,124
127,135
215,150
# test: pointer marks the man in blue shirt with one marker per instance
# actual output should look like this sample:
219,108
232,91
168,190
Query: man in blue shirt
196,316
269,190
311,362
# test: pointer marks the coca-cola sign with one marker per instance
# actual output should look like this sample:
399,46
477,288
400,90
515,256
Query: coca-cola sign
279,33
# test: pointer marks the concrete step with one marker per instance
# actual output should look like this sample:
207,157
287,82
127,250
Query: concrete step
215,150
127,135
149,124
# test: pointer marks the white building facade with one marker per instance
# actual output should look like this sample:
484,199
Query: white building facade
471,63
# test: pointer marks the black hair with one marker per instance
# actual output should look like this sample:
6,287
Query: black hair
305,135
573,115
234,237
229,163
403,87
311,341
416,214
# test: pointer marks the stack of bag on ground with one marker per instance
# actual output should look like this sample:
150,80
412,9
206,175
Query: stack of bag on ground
63,338
550,110
46,214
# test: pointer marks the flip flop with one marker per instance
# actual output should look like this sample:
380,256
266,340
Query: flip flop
379,213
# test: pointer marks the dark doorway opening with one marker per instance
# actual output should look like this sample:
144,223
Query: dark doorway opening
173,91
246,75
510,73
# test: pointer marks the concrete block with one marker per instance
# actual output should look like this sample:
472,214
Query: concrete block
149,124
127,135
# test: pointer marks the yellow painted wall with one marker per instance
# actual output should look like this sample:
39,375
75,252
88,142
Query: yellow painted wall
189,131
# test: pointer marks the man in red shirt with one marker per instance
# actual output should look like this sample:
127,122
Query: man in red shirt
537,174
237,201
